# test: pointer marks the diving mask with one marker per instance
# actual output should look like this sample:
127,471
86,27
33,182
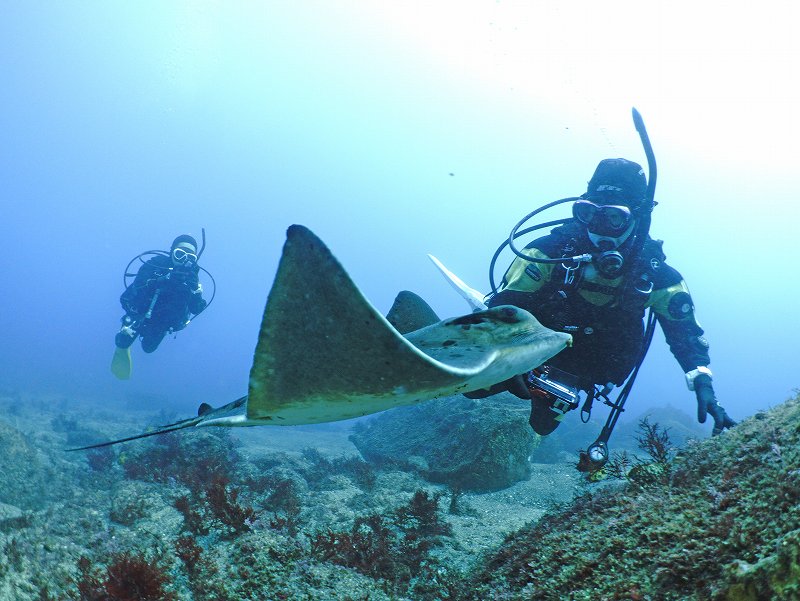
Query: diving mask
603,220
182,256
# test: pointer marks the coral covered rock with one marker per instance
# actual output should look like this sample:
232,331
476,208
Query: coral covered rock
724,524
467,444
23,476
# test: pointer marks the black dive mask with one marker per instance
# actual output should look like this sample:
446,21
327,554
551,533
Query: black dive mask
603,220
608,227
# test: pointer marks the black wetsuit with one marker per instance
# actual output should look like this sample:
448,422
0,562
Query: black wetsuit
177,293
604,316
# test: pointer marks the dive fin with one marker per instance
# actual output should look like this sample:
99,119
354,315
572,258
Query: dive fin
121,363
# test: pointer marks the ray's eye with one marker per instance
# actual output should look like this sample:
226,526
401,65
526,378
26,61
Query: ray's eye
508,315
469,320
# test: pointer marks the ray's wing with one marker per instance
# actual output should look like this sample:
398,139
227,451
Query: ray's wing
324,353
410,312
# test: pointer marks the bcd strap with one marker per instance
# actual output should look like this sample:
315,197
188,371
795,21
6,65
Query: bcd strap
635,291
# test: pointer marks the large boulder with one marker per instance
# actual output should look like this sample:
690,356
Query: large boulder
24,480
470,445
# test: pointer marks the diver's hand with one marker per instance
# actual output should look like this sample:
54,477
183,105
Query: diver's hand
707,405
199,289
515,385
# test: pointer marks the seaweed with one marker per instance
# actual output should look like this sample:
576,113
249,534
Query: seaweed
657,468
202,575
394,547
101,459
218,507
355,468
224,506
286,504
127,577
194,461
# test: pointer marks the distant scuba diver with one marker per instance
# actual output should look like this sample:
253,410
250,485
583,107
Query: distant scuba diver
165,295
593,277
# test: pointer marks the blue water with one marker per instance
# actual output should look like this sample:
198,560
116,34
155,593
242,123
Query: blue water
391,133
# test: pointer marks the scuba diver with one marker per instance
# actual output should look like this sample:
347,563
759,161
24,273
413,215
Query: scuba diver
593,277
164,297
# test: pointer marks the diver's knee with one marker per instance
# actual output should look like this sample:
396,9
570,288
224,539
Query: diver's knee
124,338
150,344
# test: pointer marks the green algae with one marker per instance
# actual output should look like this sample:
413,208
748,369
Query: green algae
723,525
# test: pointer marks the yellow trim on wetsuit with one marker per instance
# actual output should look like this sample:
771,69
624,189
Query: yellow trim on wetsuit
659,301
516,277
519,280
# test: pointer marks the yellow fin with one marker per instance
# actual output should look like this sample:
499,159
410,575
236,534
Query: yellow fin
121,363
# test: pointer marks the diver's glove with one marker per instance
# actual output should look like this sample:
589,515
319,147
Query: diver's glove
707,405
515,385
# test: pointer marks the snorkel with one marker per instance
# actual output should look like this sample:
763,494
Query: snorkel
645,211
203,245
642,214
